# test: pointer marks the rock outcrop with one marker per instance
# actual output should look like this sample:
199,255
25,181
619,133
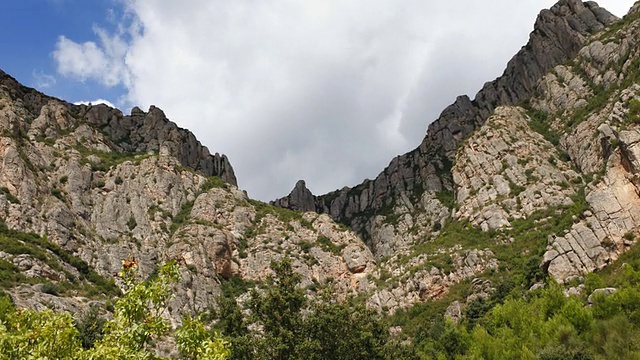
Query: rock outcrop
300,199
106,187
138,132
559,34
416,280
506,171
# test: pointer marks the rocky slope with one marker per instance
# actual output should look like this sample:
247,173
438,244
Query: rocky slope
542,165
415,178
537,175
104,187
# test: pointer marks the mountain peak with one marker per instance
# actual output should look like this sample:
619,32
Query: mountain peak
300,198
558,35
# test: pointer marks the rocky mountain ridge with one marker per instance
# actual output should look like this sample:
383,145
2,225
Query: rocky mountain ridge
559,33
137,132
543,160
538,175
99,187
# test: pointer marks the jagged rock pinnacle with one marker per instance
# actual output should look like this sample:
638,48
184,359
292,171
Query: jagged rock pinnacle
300,198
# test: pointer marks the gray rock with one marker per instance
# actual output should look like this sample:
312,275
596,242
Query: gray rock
300,198
538,285
454,312
600,292
574,290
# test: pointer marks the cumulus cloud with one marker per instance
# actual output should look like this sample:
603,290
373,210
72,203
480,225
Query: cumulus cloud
42,80
103,61
326,91
95,102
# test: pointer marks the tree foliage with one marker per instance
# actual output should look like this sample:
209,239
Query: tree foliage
544,324
286,324
195,343
137,323
291,326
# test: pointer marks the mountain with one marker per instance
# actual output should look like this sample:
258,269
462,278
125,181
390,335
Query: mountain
417,176
548,148
96,187
534,181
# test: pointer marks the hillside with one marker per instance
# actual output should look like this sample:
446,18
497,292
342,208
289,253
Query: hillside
105,187
540,162
525,198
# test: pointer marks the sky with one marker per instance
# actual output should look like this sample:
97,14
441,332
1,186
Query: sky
328,91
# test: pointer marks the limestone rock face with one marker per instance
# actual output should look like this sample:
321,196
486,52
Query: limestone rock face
484,163
600,141
558,35
402,284
107,187
506,171
604,233
542,165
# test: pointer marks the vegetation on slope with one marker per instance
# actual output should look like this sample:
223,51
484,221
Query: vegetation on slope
294,327
513,323
136,326
546,324
14,242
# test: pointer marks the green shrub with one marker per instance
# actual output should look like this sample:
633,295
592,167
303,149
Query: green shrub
633,115
447,198
181,217
212,182
58,194
51,288
539,121
90,327
11,198
131,223
327,245
305,246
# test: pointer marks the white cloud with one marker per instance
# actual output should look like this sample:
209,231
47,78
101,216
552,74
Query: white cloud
42,80
328,91
95,102
103,62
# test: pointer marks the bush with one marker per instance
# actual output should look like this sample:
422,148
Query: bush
11,198
327,245
90,327
137,322
58,194
51,289
131,223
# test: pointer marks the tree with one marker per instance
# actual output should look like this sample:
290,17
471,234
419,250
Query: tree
344,331
195,343
138,315
295,328
232,324
278,312
30,334
90,327
137,322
